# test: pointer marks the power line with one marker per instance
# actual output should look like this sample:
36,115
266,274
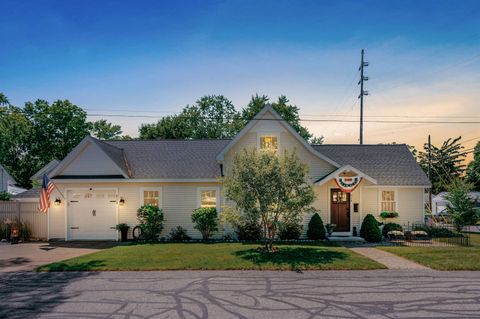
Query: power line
302,120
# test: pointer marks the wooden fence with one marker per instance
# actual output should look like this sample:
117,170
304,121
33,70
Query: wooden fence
26,212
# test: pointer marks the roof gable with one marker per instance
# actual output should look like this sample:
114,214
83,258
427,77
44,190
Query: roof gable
92,157
388,164
274,116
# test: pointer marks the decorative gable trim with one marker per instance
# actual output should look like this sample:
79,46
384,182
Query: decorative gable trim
342,169
88,140
251,123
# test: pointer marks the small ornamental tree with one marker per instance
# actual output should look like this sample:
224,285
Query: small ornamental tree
269,188
370,230
316,229
461,208
150,218
206,221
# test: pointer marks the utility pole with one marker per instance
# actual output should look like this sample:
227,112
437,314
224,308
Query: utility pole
430,173
362,93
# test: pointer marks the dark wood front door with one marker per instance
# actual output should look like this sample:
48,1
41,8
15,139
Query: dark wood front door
340,210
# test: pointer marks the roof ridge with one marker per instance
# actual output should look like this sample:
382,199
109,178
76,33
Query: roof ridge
169,139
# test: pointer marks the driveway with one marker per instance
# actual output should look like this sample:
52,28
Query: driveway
241,294
28,256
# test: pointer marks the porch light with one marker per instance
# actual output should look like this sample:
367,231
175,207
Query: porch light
121,202
57,201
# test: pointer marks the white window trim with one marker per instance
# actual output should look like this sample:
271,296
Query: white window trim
199,195
395,194
266,134
160,195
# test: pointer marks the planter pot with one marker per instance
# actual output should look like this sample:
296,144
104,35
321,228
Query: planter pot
124,234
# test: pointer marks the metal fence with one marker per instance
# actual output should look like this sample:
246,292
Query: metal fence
28,213
433,235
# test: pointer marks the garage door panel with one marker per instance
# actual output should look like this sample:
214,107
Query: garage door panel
92,215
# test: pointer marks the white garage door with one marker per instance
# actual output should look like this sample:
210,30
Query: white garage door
92,215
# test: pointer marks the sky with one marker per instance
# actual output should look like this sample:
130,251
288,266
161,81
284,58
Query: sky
154,57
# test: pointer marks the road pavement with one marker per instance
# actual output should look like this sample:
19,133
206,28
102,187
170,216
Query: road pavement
241,294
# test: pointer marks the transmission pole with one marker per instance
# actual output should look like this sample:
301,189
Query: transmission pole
363,78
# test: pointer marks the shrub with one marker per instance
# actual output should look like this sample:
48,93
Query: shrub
249,230
4,196
370,230
385,215
150,218
316,230
389,227
437,231
205,220
179,233
289,230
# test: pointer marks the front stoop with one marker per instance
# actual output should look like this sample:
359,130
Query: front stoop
391,261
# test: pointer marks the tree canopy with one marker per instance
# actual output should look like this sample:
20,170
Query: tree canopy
447,163
214,116
473,169
105,130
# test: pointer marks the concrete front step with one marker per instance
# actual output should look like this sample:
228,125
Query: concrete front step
346,239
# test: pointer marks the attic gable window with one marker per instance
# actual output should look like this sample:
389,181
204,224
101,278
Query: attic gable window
269,142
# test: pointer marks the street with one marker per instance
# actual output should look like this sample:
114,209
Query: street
241,294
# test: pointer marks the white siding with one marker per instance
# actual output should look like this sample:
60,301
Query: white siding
91,161
178,202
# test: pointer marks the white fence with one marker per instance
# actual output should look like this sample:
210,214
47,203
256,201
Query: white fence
26,212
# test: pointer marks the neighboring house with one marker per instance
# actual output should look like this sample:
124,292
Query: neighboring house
8,184
33,194
439,202
103,183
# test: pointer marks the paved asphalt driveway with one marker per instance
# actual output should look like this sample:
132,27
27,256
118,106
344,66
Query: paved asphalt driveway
241,294
28,256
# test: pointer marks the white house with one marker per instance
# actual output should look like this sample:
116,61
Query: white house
102,183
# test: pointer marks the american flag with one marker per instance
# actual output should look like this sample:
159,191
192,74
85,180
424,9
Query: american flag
47,188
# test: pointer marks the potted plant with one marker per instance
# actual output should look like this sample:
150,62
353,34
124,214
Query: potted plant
123,229
330,228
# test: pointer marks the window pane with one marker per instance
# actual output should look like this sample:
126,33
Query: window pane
388,201
269,142
150,198
208,198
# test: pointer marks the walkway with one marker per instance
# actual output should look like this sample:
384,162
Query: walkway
390,260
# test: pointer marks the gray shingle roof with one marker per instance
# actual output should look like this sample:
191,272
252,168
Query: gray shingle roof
116,154
31,193
171,159
388,164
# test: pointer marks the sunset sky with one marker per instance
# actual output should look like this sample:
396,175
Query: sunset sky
154,57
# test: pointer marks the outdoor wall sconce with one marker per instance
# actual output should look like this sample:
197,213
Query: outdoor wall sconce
57,201
121,202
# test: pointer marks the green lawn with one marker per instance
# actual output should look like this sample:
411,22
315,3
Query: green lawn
216,256
443,258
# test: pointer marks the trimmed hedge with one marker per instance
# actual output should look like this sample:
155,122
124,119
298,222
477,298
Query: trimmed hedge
370,230
389,227
316,229
289,231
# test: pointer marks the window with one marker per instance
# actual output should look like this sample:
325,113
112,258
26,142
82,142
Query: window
269,142
151,196
388,203
207,196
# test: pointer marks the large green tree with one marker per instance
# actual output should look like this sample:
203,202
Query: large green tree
447,162
215,116
105,130
461,208
268,188
473,169
15,144
57,127
212,116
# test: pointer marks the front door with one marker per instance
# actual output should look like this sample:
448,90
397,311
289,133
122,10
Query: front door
340,210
